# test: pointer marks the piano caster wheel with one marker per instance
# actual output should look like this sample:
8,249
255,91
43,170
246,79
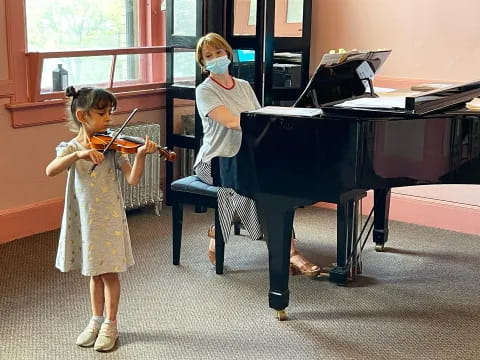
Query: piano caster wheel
379,247
281,315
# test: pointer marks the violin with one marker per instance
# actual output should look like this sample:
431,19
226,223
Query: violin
108,140
125,144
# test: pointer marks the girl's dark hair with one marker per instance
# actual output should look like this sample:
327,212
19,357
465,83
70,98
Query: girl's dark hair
87,98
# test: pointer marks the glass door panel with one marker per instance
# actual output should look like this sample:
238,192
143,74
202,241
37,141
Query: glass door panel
184,17
243,65
287,70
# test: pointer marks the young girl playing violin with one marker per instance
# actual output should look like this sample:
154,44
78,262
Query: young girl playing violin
94,235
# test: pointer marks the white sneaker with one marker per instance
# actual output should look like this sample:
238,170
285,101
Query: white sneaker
89,335
106,338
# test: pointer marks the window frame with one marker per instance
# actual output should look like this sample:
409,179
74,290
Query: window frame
25,67
35,62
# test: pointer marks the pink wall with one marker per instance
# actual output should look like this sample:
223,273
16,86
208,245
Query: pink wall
430,39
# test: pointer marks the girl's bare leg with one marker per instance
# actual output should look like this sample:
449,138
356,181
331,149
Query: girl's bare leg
97,298
88,337
111,282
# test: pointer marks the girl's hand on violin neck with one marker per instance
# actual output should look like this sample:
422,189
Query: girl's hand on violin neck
94,156
148,148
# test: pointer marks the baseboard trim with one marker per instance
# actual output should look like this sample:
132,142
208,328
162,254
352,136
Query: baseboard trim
428,212
31,219
46,215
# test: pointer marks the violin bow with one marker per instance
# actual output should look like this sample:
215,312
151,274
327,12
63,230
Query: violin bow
115,137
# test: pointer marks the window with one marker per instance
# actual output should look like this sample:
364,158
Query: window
184,24
288,17
184,13
295,11
252,16
118,44
60,26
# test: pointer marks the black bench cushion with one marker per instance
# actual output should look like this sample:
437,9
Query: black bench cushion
192,184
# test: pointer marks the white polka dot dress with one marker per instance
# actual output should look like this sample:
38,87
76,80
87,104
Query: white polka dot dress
94,236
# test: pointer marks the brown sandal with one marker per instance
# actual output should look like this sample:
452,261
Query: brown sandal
300,265
211,252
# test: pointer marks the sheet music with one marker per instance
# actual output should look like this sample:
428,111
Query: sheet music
379,89
474,104
378,57
364,71
291,111
333,58
382,102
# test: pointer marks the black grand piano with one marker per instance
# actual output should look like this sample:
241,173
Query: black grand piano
287,161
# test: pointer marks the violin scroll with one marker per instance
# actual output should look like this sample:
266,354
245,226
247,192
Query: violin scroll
169,154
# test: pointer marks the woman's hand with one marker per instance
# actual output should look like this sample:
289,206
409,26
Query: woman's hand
148,148
92,155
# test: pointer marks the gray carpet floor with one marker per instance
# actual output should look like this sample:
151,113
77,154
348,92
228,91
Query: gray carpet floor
418,299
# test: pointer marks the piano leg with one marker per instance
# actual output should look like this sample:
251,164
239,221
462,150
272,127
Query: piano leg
356,249
276,214
381,201
347,221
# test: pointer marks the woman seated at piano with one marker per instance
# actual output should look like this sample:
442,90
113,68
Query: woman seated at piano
220,99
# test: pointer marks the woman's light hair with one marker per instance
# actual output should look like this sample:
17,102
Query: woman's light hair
215,41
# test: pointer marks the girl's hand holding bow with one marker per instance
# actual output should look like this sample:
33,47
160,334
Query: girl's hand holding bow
92,155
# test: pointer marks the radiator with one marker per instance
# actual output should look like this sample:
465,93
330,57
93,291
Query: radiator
148,191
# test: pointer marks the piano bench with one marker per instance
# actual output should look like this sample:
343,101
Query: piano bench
191,190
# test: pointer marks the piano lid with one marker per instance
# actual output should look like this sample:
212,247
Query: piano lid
439,99
412,104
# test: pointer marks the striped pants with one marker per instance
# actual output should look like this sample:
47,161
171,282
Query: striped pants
230,202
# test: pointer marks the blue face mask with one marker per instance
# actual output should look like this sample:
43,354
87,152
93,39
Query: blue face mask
218,65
